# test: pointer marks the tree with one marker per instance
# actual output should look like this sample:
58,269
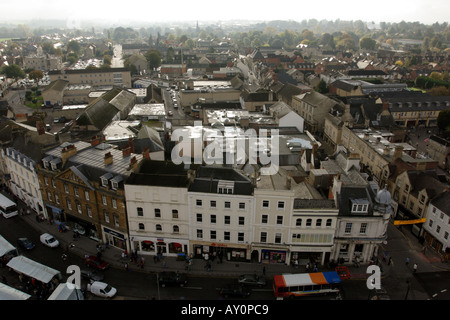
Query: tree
36,75
322,87
367,43
13,71
153,58
74,46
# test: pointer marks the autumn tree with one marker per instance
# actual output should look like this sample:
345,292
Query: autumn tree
36,75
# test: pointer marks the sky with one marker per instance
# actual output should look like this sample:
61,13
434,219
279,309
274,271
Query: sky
424,11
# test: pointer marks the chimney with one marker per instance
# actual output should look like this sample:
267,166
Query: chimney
67,152
386,150
126,151
108,158
288,182
131,144
421,166
95,141
133,163
146,153
398,152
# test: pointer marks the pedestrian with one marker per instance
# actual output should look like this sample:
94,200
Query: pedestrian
407,261
264,270
126,266
142,262
415,267
390,261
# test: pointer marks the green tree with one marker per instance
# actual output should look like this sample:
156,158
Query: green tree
322,87
367,43
74,46
36,75
153,58
13,71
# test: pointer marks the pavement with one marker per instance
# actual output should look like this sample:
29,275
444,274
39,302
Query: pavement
428,260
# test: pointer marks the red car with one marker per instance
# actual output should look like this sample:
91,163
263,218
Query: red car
94,262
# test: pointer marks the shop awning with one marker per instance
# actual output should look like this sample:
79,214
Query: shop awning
5,247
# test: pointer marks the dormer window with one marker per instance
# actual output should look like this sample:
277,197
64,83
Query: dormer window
225,187
104,179
360,206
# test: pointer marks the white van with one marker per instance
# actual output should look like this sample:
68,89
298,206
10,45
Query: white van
8,208
101,289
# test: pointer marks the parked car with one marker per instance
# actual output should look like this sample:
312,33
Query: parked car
25,243
92,275
95,262
172,279
252,280
235,291
101,289
48,240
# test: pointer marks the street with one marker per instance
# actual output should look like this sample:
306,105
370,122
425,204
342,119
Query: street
398,279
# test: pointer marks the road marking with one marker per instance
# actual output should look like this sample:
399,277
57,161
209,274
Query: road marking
195,288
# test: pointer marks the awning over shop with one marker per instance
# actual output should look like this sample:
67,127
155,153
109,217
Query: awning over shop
33,269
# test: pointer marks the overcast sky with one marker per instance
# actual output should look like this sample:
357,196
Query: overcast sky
425,11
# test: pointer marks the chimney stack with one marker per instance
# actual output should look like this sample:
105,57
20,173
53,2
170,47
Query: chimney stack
398,152
108,158
146,153
95,141
67,152
126,151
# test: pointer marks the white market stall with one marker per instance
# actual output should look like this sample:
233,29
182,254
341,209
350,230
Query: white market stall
33,269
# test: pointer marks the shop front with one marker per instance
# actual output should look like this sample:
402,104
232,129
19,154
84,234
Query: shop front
228,252
83,228
273,256
164,246
114,238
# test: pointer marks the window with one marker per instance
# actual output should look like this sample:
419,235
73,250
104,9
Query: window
104,200
265,203
116,220
56,198
227,204
140,212
199,217
199,234
438,229
89,211
280,204
106,214
242,205
227,219
66,188
80,211
212,234
240,236
75,189
277,237
329,221
158,227
279,219
430,223
446,235
298,222
157,213
174,214
318,222
213,218
263,237
212,203
241,221
226,235
308,222
86,195
141,226
198,203
69,204
264,218
114,203
348,228
363,228
176,229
